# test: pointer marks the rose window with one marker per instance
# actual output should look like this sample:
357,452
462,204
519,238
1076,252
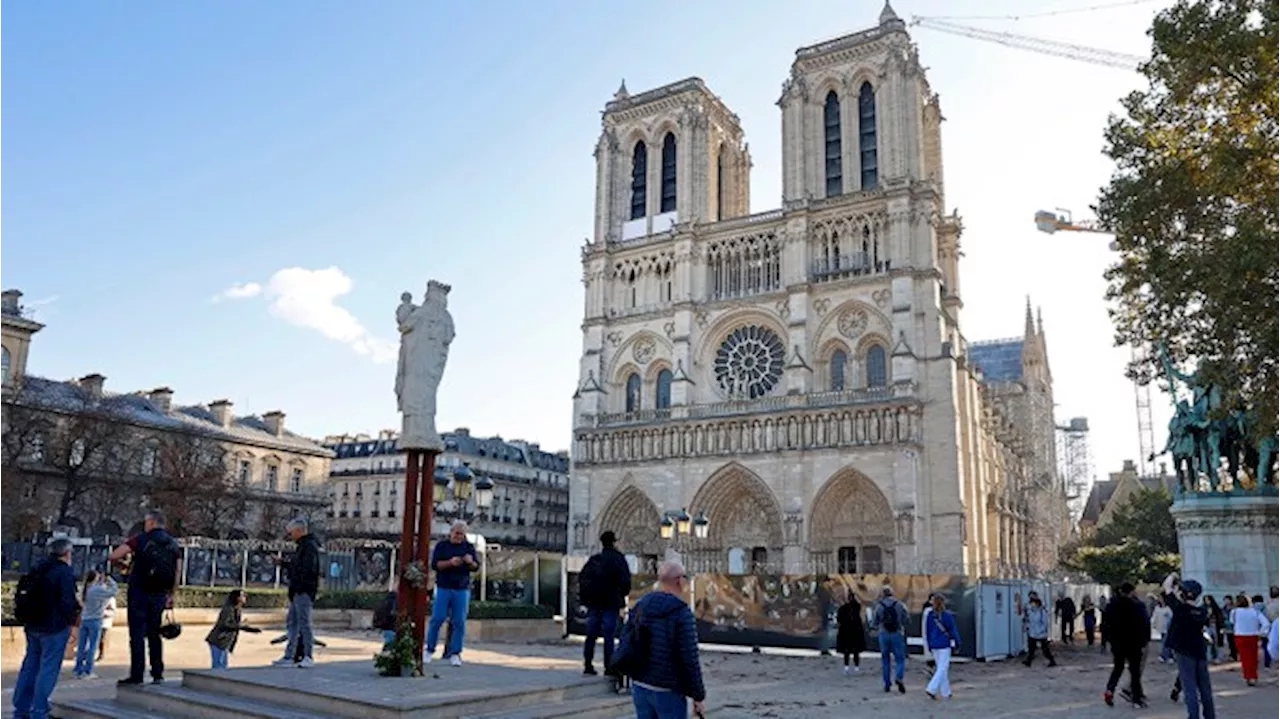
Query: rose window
749,362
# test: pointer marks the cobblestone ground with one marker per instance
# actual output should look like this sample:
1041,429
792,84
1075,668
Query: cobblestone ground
772,685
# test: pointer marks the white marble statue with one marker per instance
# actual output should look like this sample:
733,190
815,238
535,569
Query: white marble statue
426,331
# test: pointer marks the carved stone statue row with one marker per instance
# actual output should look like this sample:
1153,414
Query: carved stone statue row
1202,436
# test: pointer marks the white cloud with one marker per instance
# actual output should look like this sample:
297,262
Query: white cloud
308,298
239,291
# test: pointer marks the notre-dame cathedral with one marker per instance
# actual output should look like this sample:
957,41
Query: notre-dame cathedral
795,383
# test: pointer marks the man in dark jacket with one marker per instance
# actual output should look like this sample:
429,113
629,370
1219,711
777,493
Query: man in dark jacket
1128,632
1065,608
603,586
54,597
671,671
304,584
153,579
1186,639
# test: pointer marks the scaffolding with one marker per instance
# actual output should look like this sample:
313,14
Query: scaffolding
1075,461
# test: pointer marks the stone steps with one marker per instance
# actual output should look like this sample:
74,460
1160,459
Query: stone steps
246,694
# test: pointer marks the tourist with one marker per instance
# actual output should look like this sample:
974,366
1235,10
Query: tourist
1103,636
47,610
943,637
304,584
1090,614
924,632
453,562
1065,610
1160,617
153,579
108,620
671,672
1228,629
1185,638
603,586
98,590
384,618
1251,627
851,636
1036,623
890,623
1273,637
1128,630
222,638
1214,628
1271,610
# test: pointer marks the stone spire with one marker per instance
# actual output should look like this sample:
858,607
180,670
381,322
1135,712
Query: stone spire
622,93
1029,332
887,15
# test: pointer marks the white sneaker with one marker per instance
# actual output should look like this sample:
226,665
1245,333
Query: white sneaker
857,670
306,663
283,662
90,675
848,671
427,658
455,660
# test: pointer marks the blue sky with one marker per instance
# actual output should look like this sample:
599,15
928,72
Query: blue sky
157,154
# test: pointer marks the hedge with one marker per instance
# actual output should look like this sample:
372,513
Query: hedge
213,598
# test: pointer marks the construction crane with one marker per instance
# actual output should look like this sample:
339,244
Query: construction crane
1051,222
1106,58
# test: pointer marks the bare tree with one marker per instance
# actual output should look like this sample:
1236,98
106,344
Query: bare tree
194,485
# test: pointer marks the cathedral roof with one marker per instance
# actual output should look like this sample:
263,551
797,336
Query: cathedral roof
999,360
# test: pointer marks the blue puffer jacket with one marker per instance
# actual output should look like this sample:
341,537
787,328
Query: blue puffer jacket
673,646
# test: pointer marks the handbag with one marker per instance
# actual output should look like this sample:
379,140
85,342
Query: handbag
169,626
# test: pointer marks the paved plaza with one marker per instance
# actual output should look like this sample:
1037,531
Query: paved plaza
773,685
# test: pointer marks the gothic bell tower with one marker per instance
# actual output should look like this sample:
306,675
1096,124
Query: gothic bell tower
668,156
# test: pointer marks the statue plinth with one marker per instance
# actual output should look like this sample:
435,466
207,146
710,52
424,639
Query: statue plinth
1229,543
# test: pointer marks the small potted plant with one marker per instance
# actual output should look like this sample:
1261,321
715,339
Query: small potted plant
399,658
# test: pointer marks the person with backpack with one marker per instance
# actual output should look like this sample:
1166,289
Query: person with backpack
222,638
942,637
890,621
384,618
1065,609
659,651
45,604
98,590
1036,622
603,586
153,579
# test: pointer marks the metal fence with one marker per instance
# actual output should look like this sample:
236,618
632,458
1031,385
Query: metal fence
506,575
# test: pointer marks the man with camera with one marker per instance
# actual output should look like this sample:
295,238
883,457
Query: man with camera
153,580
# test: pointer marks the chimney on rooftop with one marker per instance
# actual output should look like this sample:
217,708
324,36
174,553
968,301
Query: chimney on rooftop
161,398
221,411
92,384
10,301
462,432
275,422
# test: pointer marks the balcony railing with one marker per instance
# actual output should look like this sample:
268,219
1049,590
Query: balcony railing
856,264
781,403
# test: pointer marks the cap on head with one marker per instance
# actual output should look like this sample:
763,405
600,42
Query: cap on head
1191,589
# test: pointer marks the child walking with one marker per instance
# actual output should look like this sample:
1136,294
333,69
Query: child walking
851,638
222,638
98,590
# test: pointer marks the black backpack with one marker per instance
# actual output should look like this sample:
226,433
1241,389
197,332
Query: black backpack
591,582
159,570
631,656
384,617
29,606
890,623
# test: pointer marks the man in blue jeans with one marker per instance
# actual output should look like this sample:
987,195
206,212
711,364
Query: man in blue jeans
54,607
153,579
891,622
453,562
603,586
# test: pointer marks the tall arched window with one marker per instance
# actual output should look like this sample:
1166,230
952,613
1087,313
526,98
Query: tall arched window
839,360
877,373
639,182
633,392
4,354
662,391
867,135
668,174
831,138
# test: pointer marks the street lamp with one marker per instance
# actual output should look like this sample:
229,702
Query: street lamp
484,494
677,523
452,490
701,525
682,522
667,529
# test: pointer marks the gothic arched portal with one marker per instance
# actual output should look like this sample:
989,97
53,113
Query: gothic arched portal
634,518
743,515
851,526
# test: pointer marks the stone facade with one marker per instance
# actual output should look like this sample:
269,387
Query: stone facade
799,375
531,488
106,456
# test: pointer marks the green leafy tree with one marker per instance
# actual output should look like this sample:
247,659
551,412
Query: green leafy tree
1193,199
1132,560
1144,517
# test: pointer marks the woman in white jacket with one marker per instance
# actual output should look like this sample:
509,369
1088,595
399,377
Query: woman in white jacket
1251,628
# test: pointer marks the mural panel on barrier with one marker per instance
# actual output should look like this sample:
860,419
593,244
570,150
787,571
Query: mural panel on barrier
761,610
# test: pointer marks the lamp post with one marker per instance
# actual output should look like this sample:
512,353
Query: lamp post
456,492
677,527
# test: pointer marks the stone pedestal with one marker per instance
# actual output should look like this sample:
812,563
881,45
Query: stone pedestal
1229,543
